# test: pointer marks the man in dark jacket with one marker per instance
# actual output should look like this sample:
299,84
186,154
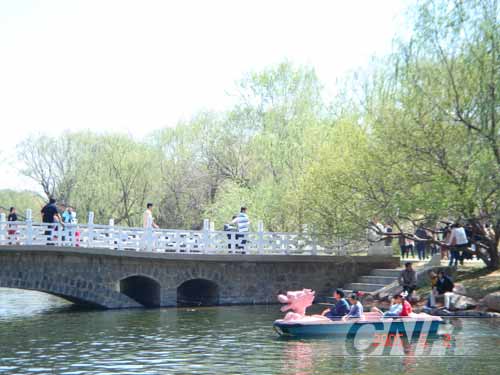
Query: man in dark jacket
443,286
421,245
340,309
50,214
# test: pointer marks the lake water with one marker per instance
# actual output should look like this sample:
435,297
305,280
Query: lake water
41,334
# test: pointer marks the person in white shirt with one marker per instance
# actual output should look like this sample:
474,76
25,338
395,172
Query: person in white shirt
148,215
243,226
457,241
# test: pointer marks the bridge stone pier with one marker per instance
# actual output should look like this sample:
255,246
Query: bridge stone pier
112,279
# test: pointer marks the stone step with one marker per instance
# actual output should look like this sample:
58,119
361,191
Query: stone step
412,261
377,279
364,287
386,272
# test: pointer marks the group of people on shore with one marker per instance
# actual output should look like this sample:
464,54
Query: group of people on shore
454,241
441,285
351,306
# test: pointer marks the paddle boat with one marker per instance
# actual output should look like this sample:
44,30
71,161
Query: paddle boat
297,324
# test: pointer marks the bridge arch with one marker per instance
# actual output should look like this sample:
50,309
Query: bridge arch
142,289
198,292
70,291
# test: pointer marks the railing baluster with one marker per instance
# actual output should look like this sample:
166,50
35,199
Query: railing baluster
111,234
260,238
90,230
206,236
29,227
3,229
149,234
206,241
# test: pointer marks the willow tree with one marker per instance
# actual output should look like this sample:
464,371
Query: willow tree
448,85
423,144
51,162
271,136
110,175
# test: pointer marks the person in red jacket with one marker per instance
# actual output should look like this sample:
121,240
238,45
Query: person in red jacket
407,309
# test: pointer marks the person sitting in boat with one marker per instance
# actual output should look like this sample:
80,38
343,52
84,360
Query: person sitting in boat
407,309
341,307
399,307
356,310
394,310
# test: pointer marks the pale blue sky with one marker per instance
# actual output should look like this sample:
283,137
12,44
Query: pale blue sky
136,66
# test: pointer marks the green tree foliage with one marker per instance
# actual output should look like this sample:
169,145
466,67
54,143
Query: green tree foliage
107,174
414,138
21,200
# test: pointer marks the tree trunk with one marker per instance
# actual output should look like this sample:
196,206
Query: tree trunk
493,251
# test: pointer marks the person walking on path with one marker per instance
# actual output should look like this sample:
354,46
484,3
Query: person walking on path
148,215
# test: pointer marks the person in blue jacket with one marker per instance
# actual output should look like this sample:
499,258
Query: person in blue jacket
341,307
356,310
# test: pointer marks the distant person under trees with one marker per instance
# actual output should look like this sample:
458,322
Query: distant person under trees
457,242
421,245
388,230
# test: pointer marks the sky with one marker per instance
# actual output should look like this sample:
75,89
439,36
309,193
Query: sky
136,66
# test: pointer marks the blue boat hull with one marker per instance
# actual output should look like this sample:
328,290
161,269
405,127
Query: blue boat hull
405,327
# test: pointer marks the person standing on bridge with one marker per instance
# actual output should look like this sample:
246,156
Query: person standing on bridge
50,214
12,227
148,215
243,226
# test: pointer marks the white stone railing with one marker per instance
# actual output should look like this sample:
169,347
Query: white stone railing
206,241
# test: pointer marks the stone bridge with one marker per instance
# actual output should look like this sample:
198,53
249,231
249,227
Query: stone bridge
110,279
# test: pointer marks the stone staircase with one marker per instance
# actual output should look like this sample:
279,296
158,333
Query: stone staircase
376,280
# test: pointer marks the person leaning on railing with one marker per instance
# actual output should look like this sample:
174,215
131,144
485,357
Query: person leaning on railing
243,225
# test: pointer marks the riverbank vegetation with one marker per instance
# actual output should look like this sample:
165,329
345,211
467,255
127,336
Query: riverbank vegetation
415,137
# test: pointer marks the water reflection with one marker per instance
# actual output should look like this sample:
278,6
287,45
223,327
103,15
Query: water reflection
40,334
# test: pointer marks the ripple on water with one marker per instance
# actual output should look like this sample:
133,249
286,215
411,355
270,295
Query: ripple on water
49,337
